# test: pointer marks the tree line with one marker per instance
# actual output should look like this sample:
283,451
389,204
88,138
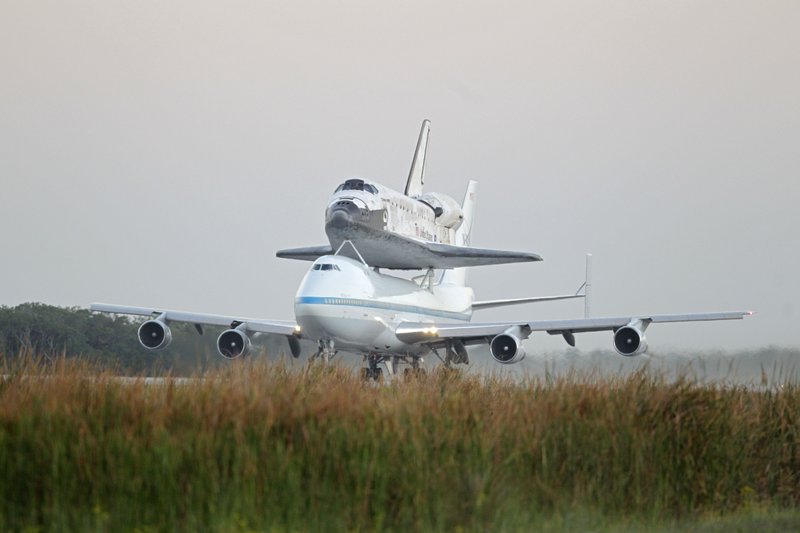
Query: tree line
47,332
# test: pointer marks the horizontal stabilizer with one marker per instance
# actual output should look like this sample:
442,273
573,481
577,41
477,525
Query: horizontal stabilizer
308,253
516,301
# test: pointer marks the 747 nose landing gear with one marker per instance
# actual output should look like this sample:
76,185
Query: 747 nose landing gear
325,350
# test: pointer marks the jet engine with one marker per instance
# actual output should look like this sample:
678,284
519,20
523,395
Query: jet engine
629,340
506,348
155,334
233,343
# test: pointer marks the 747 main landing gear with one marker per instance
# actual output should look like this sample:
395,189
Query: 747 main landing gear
372,370
392,363
455,353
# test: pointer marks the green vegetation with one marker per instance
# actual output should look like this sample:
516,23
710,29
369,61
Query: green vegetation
262,447
111,341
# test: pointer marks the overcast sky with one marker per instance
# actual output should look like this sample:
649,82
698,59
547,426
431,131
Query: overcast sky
159,153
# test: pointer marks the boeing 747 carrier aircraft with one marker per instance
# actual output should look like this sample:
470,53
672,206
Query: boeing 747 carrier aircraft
344,302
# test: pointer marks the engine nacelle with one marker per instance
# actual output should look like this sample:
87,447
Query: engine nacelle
448,212
506,348
629,340
233,343
155,334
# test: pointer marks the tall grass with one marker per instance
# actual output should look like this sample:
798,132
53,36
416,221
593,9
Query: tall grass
259,446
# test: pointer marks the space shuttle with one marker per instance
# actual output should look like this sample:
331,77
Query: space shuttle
412,230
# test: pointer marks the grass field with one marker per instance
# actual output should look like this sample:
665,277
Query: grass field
260,447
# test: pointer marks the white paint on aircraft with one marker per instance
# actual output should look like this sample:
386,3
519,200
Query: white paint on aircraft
345,302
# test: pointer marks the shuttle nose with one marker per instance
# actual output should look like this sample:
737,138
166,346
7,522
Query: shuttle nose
343,212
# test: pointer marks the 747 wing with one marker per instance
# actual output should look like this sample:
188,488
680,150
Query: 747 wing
504,338
155,334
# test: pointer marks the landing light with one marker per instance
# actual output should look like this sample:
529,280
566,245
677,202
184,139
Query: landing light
297,328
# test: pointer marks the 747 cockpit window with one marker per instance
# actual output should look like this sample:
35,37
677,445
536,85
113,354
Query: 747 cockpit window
325,266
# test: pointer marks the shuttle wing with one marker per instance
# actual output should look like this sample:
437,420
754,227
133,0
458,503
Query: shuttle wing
449,256
390,250
434,334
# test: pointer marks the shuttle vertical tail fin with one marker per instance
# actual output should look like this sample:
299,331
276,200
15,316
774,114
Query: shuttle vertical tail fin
458,276
464,231
416,176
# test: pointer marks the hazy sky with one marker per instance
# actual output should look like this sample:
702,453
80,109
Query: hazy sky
159,153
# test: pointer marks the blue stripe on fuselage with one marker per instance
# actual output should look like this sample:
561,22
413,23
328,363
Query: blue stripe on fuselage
374,304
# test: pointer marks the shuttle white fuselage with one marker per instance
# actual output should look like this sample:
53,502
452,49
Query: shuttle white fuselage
360,210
